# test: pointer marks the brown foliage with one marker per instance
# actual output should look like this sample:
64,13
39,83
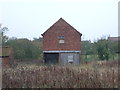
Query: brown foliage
59,77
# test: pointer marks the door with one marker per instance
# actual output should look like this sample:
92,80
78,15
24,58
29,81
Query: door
51,58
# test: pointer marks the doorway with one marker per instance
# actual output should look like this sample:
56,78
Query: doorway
51,58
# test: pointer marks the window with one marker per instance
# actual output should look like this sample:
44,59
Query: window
61,39
70,59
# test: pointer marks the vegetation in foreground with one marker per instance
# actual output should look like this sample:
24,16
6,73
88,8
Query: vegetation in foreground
90,75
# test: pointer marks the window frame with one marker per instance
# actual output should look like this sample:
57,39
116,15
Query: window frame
61,39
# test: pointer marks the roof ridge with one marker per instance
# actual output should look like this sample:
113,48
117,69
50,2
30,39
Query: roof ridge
59,21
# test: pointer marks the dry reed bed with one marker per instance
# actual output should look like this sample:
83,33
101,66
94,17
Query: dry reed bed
60,77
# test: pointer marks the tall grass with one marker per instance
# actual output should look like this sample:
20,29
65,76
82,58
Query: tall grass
54,76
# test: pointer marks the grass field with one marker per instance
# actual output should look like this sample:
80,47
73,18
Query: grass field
95,57
89,75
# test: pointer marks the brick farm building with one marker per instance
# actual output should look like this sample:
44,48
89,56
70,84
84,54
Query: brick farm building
61,44
6,56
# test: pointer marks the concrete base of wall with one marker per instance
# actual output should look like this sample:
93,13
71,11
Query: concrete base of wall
63,58
69,58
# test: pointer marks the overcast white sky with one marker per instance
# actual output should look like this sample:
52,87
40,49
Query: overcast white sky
30,18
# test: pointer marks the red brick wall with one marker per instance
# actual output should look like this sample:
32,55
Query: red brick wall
11,57
5,61
51,41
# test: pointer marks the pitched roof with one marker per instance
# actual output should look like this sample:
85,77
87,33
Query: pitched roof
114,38
61,22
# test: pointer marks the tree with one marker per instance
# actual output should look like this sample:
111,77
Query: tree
113,45
38,47
22,48
103,49
26,49
3,37
87,48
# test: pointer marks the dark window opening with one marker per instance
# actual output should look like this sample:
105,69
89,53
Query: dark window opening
61,37
51,58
